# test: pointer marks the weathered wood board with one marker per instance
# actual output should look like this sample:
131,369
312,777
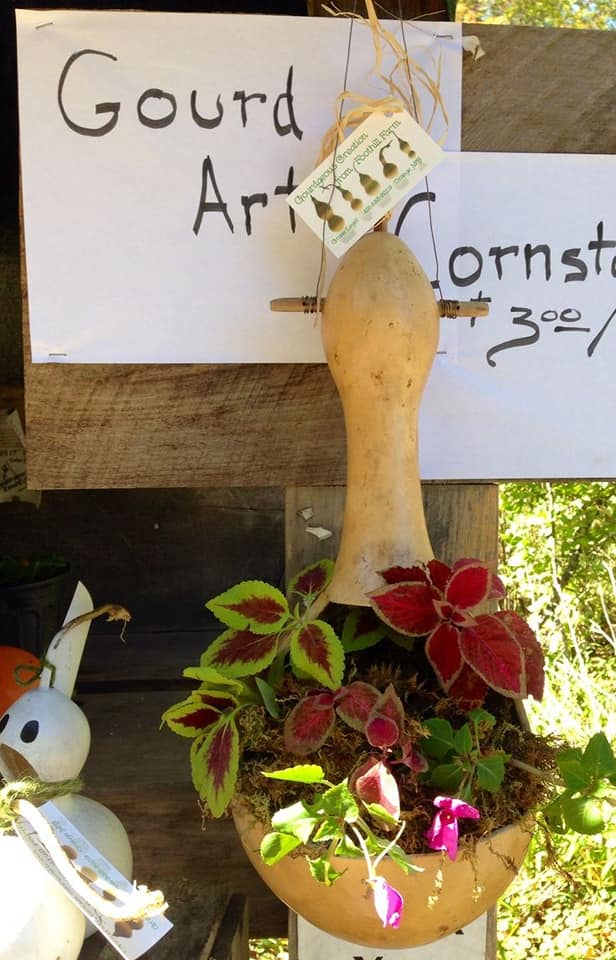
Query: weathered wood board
94,426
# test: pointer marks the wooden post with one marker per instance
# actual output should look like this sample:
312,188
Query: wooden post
462,520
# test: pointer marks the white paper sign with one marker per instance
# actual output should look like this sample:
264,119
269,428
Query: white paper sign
468,944
157,153
364,179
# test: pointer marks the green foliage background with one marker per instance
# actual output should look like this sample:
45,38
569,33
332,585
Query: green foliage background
558,545
589,14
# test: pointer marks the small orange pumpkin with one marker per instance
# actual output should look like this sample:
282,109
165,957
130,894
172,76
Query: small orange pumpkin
10,689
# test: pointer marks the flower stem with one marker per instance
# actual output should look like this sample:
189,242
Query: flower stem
541,774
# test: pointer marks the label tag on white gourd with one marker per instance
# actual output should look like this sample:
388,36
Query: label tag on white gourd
364,179
131,938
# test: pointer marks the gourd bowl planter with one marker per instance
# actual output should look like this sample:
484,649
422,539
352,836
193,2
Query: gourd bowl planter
366,728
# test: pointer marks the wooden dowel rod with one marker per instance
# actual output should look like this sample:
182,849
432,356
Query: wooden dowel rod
448,308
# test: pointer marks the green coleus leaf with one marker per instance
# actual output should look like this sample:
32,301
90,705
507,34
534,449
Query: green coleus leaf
214,764
297,820
322,871
317,651
251,605
212,679
573,770
347,848
598,757
491,771
463,739
241,653
338,801
447,776
400,858
330,828
481,718
200,710
362,629
301,773
583,814
275,846
441,739
380,813
268,696
310,582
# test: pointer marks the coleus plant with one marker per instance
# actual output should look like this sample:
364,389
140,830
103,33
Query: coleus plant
299,671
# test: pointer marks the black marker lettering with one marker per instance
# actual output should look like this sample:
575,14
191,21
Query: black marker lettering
243,98
472,277
282,129
208,123
521,321
498,253
247,203
286,189
571,258
207,171
529,253
113,108
600,244
155,94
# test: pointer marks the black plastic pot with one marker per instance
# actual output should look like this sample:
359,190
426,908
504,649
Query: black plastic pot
31,613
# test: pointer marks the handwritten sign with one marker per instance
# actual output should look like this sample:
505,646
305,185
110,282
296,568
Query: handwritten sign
158,151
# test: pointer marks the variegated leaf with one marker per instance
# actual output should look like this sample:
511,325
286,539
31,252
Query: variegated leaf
531,648
469,585
362,629
316,650
468,689
309,723
199,711
310,582
241,653
215,763
251,605
355,702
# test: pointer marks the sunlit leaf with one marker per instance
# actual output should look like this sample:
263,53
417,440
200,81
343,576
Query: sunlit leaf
407,607
531,648
492,652
301,773
275,846
311,581
215,765
322,871
469,585
297,820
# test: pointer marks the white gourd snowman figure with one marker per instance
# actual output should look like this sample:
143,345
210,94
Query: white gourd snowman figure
48,731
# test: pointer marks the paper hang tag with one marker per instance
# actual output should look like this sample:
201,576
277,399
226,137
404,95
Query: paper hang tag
375,168
130,938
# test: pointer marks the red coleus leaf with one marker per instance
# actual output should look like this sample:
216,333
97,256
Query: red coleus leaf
416,573
389,705
251,605
468,689
214,761
439,574
443,653
241,653
355,702
311,581
382,731
373,782
469,585
494,653
309,723
411,757
531,648
407,607
316,650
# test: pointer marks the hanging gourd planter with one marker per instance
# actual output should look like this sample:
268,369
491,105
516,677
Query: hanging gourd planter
366,729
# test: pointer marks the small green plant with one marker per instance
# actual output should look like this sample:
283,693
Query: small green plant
15,571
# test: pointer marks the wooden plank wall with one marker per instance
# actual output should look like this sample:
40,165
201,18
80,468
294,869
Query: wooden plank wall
93,426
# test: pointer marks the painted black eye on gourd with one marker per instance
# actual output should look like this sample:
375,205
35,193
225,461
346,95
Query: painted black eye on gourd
3,722
29,731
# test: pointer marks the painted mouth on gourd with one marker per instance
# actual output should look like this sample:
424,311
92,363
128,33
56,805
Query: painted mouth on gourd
14,766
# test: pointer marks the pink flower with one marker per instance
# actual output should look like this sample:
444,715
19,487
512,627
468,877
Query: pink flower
373,782
388,903
443,834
